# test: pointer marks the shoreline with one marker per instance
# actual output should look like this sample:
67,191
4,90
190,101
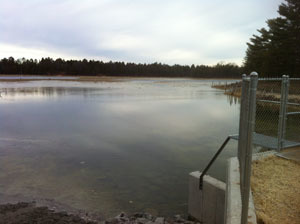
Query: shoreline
32,212
50,204
28,207
93,78
265,91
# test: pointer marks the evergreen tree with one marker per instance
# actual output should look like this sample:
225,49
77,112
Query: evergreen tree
276,50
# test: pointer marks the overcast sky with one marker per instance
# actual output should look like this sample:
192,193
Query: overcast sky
142,31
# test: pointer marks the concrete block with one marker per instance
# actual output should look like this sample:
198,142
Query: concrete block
233,196
233,193
206,205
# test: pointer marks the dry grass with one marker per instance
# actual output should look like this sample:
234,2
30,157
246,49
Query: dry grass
237,93
261,93
275,185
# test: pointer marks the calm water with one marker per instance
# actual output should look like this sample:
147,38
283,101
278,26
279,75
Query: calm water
112,146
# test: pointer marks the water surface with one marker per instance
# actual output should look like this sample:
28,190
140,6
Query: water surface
112,146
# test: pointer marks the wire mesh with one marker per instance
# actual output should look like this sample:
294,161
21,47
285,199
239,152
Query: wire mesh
293,111
268,107
277,123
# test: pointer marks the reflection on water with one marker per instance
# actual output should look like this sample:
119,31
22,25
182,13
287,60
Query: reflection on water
233,99
112,146
46,91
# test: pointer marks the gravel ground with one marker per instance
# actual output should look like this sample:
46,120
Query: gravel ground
29,213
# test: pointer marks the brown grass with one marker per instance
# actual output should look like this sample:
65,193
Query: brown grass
265,90
275,186
234,93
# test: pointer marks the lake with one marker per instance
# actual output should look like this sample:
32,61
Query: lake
106,147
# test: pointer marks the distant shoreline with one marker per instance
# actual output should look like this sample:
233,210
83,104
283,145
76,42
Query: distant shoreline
91,78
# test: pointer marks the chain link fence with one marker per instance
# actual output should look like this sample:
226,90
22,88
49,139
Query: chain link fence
293,111
269,118
277,123
267,107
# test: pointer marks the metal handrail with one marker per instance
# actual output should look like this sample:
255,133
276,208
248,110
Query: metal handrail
212,161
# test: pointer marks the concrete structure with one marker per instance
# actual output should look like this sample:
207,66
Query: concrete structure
218,202
233,208
206,205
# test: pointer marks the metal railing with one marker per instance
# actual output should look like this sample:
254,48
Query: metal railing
212,161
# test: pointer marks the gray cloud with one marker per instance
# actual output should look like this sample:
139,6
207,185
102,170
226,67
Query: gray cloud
170,31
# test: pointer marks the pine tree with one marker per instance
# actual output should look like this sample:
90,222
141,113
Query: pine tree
276,50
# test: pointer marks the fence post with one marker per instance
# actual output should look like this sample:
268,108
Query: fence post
283,110
247,146
242,113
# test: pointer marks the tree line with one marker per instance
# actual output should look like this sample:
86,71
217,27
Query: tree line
49,66
275,51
